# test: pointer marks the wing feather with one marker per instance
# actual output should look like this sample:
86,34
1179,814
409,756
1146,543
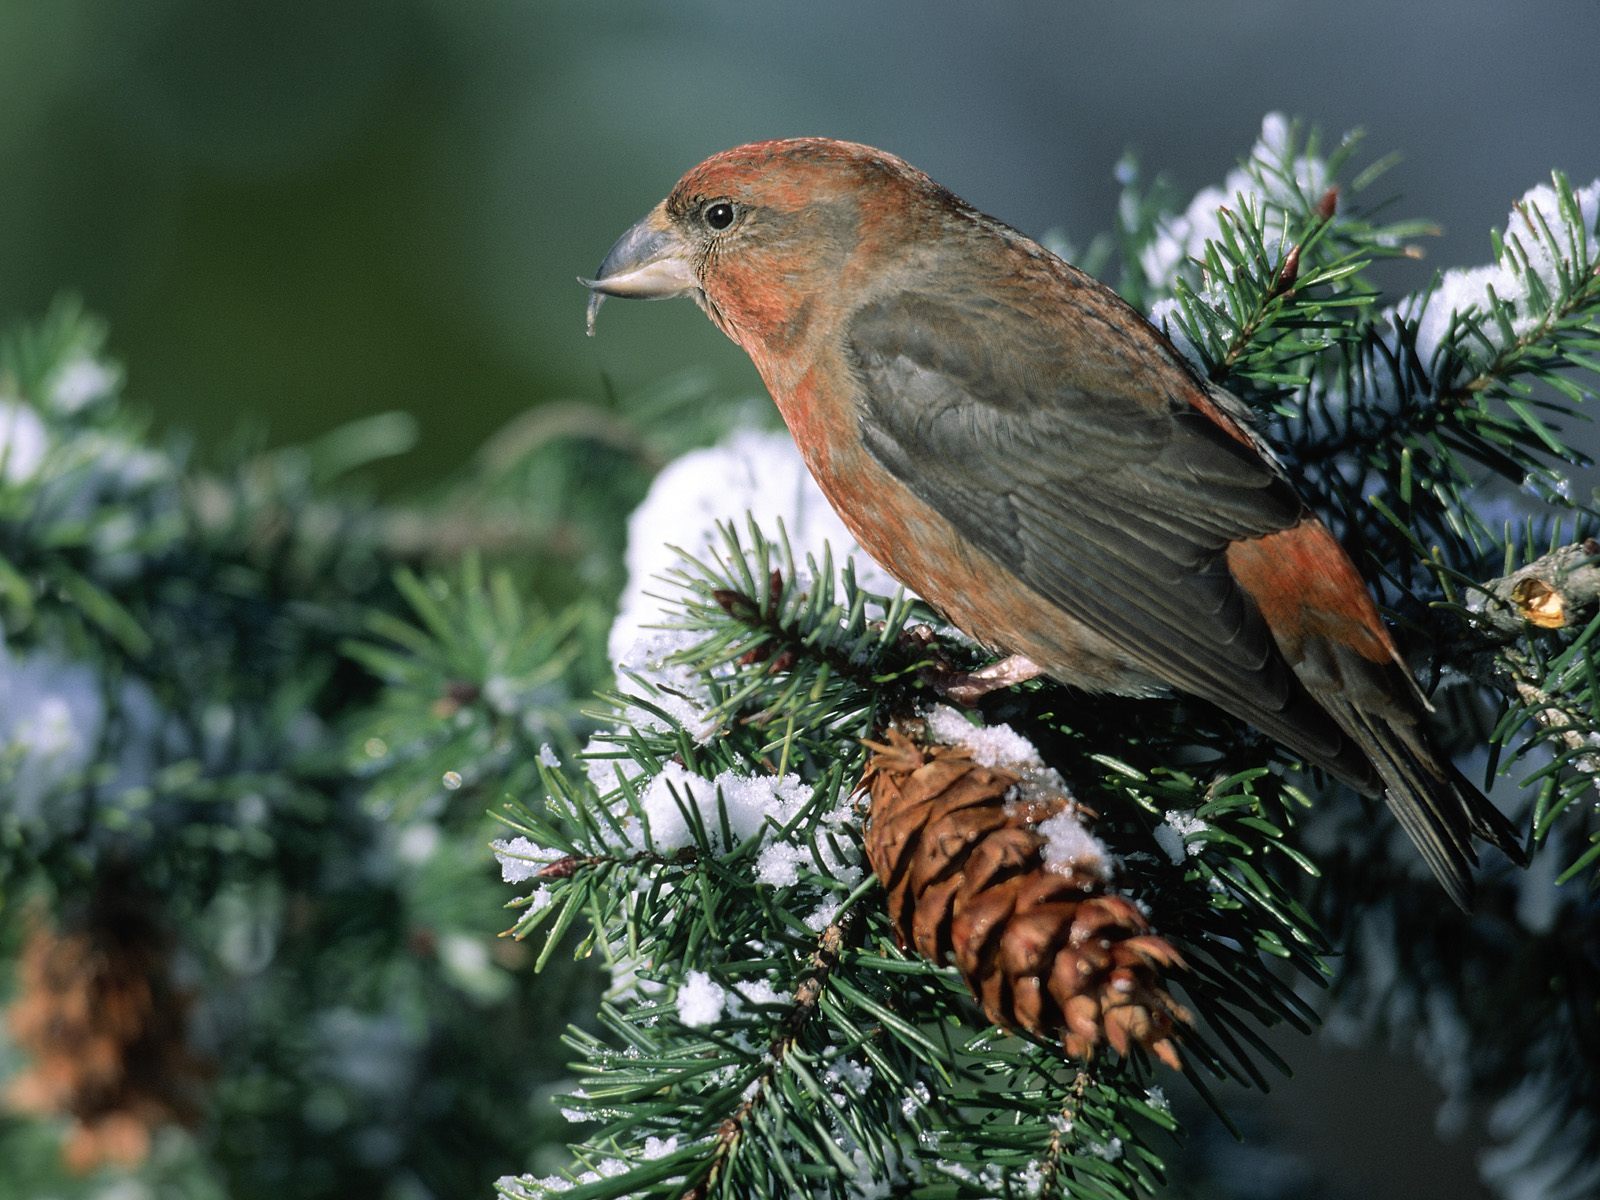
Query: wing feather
1115,505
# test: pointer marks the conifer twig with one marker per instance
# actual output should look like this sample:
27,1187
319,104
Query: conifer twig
1283,283
1554,591
807,994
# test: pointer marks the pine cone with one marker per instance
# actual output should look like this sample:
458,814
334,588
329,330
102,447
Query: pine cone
1042,945
106,1029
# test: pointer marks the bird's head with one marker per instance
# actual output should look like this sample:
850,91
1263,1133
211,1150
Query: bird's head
761,234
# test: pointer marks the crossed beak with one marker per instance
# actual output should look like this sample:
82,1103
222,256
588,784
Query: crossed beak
649,262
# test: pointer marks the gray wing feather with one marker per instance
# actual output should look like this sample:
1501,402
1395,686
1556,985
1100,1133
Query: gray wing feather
1116,510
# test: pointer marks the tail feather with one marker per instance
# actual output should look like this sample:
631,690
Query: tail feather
1427,805
1440,810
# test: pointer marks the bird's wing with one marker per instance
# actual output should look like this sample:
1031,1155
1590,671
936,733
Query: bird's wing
1114,502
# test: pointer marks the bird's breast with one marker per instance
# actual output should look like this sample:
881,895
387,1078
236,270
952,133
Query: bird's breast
975,591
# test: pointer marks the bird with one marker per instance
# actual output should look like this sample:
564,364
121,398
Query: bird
1026,452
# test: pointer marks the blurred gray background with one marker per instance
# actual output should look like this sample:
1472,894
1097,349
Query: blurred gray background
296,213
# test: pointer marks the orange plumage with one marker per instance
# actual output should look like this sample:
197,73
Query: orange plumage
1027,453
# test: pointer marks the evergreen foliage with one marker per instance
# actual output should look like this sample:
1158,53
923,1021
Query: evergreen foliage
269,711
765,1037
244,704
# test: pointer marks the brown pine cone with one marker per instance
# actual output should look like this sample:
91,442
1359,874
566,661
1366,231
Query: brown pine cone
105,1027
1043,946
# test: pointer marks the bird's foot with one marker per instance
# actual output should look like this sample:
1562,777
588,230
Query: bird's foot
968,687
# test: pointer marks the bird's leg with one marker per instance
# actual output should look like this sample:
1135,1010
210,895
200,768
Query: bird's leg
968,688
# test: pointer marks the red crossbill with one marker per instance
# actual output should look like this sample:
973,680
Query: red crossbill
1026,452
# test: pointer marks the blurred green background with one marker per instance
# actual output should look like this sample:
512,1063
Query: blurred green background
298,212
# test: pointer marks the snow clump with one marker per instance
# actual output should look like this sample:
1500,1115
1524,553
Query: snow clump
1184,235
1465,291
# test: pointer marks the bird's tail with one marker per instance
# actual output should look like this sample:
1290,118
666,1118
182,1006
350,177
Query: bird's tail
1435,804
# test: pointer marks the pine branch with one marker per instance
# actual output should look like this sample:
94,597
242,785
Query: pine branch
1555,591
738,740
176,715
1057,1152
1567,723
765,647
1281,288
807,994
1546,674
1535,348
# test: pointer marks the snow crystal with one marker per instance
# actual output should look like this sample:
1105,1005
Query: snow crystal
863,1184
1528,229
989,745
997,746
757,992
1185,235
1461,291
843,865
747,801
1109,1150
605,766
851,1074
520,859
822,916
915,1099
990,1179
831,854
674,688
548,757
526,1187
1173,833
779,864
1070,849
23,442
655,1147
700,1000
1164,315
1027,1181
1171,843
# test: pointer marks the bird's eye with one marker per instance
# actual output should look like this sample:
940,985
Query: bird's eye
719,215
